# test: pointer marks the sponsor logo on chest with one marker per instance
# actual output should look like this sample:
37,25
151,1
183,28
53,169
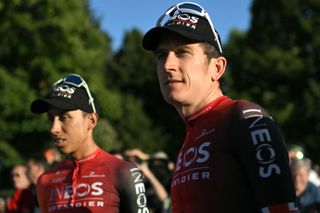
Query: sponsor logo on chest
193,163
81,195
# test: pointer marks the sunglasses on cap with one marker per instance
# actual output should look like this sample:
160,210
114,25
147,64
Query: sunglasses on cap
192,8
77,81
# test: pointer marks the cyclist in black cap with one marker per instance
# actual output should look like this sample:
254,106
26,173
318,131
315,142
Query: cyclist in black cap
90,179
233,158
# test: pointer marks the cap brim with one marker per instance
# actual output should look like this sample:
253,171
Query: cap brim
151,39
41,105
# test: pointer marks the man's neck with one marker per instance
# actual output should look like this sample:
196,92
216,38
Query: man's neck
84,151
188,109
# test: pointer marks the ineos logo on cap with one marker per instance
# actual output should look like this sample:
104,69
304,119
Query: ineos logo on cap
183,20
64,90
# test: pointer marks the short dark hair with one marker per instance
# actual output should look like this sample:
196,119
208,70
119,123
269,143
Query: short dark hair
212,52
84,113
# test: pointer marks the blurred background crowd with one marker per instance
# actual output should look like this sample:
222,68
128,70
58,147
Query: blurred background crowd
157,169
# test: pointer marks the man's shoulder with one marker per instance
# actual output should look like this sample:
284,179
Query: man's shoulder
246,109
114,162
121,170
239,108
225,103
245,104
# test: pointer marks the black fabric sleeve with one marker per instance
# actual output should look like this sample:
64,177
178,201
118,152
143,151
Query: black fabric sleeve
262,152
131,190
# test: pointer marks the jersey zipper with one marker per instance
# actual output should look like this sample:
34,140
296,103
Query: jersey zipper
74,180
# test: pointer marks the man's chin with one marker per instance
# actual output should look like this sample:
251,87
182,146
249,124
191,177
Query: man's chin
174,100
63,149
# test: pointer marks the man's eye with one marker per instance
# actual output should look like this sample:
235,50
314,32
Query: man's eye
182,52
63,117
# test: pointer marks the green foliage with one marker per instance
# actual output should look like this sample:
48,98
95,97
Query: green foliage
15,116
9,155
133,68
46,40
106,136
137,129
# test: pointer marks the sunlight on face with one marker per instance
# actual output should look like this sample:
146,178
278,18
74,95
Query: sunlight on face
69,130
182,68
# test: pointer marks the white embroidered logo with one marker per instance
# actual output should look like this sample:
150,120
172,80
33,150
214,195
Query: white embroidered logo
205,132
92,174
64,90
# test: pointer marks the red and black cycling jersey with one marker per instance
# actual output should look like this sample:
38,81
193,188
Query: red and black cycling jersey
97,183
233,160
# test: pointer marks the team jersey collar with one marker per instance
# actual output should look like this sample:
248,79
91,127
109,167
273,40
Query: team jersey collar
204,110
89,157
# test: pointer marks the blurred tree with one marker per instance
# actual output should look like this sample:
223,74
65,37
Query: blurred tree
132,68
9,155
276,64
106,136
136,127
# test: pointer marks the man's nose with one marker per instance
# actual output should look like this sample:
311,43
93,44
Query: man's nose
170,63
55,126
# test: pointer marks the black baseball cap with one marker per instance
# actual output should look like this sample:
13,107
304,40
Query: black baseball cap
67,96
187,25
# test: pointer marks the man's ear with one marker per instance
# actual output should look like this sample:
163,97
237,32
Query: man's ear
217,67
93,120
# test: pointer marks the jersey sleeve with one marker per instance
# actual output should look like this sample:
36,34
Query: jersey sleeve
131,190
264,157
40,190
